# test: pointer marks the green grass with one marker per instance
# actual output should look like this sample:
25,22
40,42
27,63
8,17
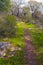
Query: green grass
15,41
30,25
37,41
19,37
18,59
37,37
25,25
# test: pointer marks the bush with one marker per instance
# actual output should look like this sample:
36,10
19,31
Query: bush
8,26
26,15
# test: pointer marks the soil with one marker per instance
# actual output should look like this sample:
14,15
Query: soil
29,50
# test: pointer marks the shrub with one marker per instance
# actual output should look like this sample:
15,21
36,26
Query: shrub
8,26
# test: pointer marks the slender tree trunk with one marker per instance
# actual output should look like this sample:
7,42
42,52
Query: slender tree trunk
18,12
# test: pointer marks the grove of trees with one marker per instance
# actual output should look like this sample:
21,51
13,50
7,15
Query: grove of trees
8,23
17,24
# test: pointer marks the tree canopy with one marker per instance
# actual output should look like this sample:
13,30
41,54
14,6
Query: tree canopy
4,5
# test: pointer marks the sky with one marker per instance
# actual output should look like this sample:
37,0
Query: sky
29,0
36,0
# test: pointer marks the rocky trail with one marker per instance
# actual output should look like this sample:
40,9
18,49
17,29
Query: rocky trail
29,50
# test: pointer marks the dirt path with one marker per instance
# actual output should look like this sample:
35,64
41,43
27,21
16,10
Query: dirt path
29,51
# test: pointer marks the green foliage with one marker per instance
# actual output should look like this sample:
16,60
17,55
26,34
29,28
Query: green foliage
37,37
18,59
18,39
4,5
8,26
37,41
26,15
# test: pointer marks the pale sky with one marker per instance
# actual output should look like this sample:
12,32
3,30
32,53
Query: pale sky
36,0
29,0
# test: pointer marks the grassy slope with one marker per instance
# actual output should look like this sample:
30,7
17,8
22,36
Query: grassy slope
18,59
37,41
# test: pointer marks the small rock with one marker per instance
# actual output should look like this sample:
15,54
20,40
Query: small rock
12,49
4,54
19,48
